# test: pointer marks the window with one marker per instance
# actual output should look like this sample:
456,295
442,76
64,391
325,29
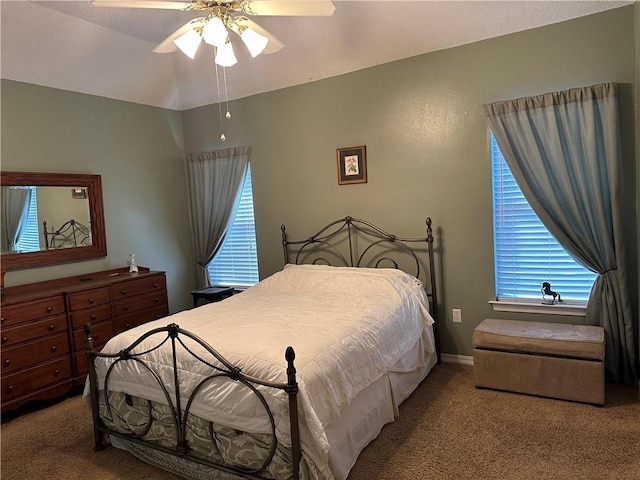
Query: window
29,240
236,264
526,254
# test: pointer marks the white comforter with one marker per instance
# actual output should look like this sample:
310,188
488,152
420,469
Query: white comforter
348,327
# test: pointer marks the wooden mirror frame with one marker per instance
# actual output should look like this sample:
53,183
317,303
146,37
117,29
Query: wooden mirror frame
98,247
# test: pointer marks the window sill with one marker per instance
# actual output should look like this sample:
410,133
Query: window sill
568,309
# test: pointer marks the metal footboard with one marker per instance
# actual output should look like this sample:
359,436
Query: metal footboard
221,369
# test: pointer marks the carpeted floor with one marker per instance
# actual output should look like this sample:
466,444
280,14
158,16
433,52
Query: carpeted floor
446,430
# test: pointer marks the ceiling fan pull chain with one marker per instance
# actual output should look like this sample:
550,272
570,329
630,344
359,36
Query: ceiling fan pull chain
222,135
226,94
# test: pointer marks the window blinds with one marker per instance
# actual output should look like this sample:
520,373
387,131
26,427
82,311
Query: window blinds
236,264
525,253
30,239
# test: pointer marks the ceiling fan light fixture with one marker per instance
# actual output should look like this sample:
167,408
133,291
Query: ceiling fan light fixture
255,42
214,32
188,43
225,56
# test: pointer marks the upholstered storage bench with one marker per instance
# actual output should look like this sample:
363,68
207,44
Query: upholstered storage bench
544,359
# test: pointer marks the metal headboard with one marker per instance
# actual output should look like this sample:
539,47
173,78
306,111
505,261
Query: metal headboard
70,234
338,244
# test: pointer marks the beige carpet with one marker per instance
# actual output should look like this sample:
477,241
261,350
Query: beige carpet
446,430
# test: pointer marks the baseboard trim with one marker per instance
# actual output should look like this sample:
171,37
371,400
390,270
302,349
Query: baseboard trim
452,358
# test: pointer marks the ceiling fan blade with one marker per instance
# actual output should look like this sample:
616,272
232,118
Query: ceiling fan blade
167,5
167,45
303,8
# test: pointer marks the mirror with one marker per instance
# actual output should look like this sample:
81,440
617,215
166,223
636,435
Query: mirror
50,218
44,218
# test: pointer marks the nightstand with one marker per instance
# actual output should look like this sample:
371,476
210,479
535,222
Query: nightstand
211,294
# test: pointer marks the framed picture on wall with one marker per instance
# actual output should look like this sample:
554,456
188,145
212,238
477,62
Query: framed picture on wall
79,193
352,165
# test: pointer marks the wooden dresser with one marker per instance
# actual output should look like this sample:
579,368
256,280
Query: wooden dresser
42,327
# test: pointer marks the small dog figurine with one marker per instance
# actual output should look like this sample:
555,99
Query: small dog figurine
546,290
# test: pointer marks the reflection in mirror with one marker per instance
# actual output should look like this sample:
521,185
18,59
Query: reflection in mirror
16,201
49,218
44,218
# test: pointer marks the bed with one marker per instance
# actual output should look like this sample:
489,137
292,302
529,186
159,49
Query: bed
71,234
289,379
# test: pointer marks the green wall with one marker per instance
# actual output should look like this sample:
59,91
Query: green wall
427,150
138,151
427,147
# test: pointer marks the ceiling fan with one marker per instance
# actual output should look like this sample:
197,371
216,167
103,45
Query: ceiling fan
220,17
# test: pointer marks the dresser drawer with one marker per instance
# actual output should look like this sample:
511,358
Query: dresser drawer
25,355
28,311
89,298
137,287
101,333
140,302
35,378
128,321
29,331
90,315
82,366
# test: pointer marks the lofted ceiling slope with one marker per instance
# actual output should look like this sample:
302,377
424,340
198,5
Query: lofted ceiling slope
76,46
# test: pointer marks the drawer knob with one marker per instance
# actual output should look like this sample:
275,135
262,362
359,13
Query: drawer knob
95,337
155,285
91,300
56,372
49,309
1,319
5,339
93,317
128,325
11,388
124,292
54,348
125,307
52,328
7,361
157,299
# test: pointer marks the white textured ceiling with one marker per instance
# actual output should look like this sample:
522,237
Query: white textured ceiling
73,45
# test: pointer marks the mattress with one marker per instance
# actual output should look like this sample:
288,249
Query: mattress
363,341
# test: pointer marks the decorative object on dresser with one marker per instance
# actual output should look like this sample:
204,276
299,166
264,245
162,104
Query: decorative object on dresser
133,266
43,342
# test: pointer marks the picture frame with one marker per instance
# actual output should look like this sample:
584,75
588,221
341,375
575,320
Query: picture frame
79,193
352,165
